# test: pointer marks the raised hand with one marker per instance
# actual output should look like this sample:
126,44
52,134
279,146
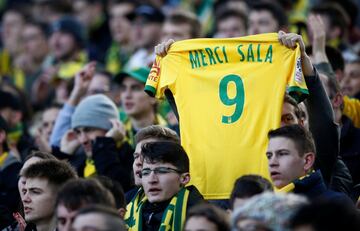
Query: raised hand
290,40
117,132
69,142
162,48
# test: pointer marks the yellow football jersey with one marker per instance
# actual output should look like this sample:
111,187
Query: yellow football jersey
229,94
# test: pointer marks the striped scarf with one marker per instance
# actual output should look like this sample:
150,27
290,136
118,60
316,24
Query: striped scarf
173,217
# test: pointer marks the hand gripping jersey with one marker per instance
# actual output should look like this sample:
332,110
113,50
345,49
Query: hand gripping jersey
229,94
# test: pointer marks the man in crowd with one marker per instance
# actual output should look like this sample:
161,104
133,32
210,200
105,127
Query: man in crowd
291,155
147,31
266,17
137,105
230,23
97,217
76,194
180,25
43,181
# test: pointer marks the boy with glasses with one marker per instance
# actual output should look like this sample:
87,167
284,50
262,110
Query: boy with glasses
165,172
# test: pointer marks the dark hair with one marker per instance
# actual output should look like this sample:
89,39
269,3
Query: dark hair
41,155
166,152
336,14
302,138
225,12
157,132
78,193
327,216
211,213
186,17
44,28
275,10
248,186
112,220
55,171
115,188
290,100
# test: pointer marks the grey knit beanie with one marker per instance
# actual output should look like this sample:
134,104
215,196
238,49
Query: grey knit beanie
95,111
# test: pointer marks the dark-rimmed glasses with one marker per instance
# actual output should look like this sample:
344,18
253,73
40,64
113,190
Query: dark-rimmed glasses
158,171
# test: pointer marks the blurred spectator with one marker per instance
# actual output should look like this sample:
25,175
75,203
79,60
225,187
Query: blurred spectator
139,107
147,28
180,25
247,186
121,14
12,26
49,11
207,217
67,57
336,24
266,17
204,12
267,212
349,145
9,169
34,37
98,217
48,118
117,191
76,194
91,14
230,23
325,216
350,85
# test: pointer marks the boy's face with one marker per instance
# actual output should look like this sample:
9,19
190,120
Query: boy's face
38,200
163,183
138,160
285,162
135,101
262,21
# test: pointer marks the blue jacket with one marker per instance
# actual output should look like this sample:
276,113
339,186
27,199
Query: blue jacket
314,188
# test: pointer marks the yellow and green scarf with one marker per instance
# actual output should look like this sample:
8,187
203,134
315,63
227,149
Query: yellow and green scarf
173,217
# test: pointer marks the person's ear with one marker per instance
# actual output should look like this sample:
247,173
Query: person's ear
309,159
184,179
122,212
338,100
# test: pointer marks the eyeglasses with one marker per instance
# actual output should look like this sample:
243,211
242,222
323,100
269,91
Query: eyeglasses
158,171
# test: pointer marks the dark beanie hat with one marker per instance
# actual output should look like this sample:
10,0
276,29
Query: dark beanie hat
150,13
70,25
95,111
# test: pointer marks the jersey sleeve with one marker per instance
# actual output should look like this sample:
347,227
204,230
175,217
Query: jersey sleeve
162,75
153,79
296,85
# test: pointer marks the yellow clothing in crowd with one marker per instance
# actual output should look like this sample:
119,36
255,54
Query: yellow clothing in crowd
352,110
